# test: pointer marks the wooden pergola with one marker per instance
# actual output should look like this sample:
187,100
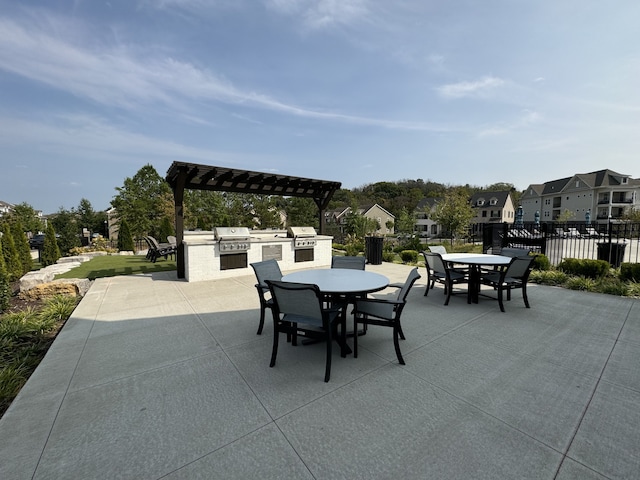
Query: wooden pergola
192,176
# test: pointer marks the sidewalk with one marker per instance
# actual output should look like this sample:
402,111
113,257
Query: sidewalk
153,377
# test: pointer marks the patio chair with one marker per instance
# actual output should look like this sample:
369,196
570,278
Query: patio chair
437,249
298,310
515,275
157,250
265,270
354,263
384,312
439,271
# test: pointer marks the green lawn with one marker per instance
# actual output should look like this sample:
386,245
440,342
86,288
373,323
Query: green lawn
112,265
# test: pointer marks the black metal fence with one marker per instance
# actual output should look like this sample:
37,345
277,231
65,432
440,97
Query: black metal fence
616,242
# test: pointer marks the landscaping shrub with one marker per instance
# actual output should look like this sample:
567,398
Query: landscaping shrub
585,267
541,262
630,272
409,256
388,257
580,283
125,239
548,277
612,286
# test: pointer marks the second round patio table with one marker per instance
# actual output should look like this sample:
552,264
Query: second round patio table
475,261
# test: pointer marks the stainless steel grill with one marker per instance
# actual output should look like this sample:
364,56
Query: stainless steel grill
233,239
303,237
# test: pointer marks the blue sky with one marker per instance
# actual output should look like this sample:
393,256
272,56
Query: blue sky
356,91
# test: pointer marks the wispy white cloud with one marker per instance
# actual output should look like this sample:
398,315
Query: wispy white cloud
320,14
526,119
470,89
128,78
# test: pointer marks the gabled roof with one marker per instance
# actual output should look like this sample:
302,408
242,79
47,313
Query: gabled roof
537,188
501,199
428,203
602,178
555,186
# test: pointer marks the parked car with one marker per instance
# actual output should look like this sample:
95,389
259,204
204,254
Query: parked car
37,241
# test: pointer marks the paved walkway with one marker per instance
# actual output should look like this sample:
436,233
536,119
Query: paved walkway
158,378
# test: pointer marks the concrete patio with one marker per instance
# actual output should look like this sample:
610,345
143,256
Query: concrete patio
153,378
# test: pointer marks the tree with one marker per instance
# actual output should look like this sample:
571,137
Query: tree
50,249
22,246
359,226
90,219
143,201
27,216
631,215
166,229
405,223
5,290
67,228
10,254
565,216
125,240
454,213
302,212
266,211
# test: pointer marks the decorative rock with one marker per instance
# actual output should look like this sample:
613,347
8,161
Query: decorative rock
48,290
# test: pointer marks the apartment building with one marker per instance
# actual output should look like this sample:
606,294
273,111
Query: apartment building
596,196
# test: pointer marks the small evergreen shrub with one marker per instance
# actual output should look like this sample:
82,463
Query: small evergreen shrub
585,267
409,256
612,286
630,272
388,257
541,262
125,240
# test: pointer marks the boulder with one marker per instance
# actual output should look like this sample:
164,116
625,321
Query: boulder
71,286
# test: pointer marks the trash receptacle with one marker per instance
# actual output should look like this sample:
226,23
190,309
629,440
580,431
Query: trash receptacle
611,252
373,250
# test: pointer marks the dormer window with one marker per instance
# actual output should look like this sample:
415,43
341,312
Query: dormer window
493,201
624,180
480,202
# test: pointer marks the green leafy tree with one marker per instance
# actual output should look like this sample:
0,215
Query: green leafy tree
50,249
203,209
454,213
143,201
266,211
10,253
631,214
565,216
125,239
66,226
22,246
301,212
5,290
27,216
405,223
88,218
359,226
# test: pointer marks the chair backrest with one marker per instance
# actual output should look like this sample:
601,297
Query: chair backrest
299,299
153,242
437,249
411,279
435,262
171,239
353,263
519,268
514,252
267,270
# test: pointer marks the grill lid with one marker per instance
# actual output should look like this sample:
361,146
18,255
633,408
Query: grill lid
231,233
298,232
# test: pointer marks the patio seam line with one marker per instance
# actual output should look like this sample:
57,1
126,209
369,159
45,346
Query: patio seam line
75,369
593,393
